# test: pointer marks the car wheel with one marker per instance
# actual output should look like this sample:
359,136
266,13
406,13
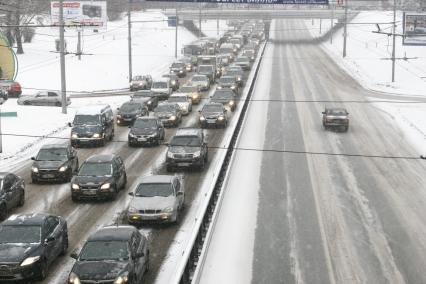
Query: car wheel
22,199
177,218
26,103
114,193
34,180
58,104
42,270
147,262
74,198
169,168
130,144
125,181
157,142
64,245
102,142
3,212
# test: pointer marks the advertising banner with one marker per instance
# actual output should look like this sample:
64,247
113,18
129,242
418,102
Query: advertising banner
90,13
414,29
302,2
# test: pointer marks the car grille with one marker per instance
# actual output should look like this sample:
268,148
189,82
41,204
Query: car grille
96,281
8,269
47,171
183,156
211,117
89,186
338,120
85,135
150,211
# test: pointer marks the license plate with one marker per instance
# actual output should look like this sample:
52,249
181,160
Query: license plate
184,164
48,176
211,121
89,192
142,139
5,272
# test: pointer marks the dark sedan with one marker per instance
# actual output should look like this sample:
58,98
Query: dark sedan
115,254
179,68
29,243
54,162
229,82
226,97
169,114
129,111
99,177
147,97
145,131
213,114
12,193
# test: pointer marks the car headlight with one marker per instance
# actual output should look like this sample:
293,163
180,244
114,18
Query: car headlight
173,117
63,168
74,135
232,87
180,71
220,118
173,82
131,135
96,135
106,185
149,102
34,169
231,103
219,87
73,279
195,96
121,279
197,154
30,260
168,210
169,155
202,118
132,209
239,78
75,186
118,115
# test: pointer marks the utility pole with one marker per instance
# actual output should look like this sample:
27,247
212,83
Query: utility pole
199,22
332,23
345,32
79,45
393,41
176,33
129,38
62,57
320,31
217,27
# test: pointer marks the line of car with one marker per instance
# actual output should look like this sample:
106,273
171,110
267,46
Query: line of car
120,254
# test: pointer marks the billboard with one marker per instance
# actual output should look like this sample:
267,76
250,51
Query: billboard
8,60
414,28
313,2
92,13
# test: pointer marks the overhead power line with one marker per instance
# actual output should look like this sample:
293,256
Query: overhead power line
282,151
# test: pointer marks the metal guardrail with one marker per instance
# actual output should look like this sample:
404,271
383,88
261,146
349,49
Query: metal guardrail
191,256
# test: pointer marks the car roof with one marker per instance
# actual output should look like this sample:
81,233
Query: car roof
3,174
163,79
189,131
227,76
102,158
92,109
147,118
26,219
157,179
178,95
335,109
54,146
213,104
113,233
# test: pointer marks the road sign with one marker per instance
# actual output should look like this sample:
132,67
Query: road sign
303,2
9,114
172,21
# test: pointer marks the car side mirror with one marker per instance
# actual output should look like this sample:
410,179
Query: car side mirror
179,193
118,108
74,254
323,112
131,194
139,254
69,124
49,239
33,158
225,110
199,111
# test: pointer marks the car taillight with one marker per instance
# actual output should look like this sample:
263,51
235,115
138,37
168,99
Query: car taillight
15,87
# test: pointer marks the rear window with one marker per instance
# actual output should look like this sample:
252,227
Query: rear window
159,85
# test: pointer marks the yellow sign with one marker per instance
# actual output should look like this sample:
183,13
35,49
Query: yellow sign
8,60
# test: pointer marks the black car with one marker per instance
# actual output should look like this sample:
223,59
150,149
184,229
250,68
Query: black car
213,114
147,97
99,177
226,97
115,254
29,243
146,130
179,68
239,74
54,162
169,114
229,82
129,111
187,149
12,193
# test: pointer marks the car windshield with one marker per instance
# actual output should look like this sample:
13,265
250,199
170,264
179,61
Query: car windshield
87,119
20,234
58,154
233,73
248,52
95,169
138,78
222,95
188,89
104,250
154,189
171,76
212,108
205,69
145,123
159,85
185,141
177,99
164,108
336,112
227,79
130,107
142,94
177,65
242,59
199,79
225,50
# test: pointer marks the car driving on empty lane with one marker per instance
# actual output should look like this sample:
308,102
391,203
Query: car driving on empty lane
335,118
158,198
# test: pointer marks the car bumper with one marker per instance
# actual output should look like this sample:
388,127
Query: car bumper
86,141
184,163
212,123
125,121
91,194
138,218
19,273
50,176
169,123
143,140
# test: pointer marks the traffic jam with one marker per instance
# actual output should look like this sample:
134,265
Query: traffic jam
141,163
